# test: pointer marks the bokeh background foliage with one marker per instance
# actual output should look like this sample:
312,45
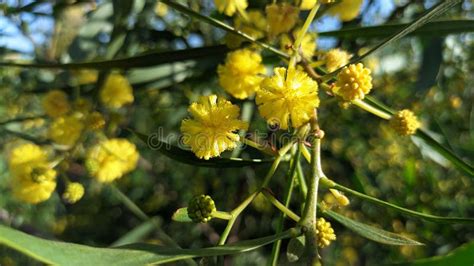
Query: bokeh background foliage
170,59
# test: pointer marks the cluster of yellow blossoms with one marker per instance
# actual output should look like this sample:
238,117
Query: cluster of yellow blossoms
325,233
34,177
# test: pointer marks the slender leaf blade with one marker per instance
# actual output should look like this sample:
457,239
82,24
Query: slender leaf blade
370,232
61,253
424,216
139,61
445,152
434,28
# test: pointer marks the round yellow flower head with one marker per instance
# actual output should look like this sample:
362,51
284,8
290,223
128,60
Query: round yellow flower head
66,130
212,128
111,159
405,122
336,58
284,97
353,82
307,4
281,18
33,179
55,103
240,76
254,27
116,91
346,10
308,44
229,7
325,233
74,192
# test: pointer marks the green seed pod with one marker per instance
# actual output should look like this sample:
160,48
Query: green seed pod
200,208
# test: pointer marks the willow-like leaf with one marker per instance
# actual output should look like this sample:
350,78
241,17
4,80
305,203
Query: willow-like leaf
144,60
434,28
61,253
370,232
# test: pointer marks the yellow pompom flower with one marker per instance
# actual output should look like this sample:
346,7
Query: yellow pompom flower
353,82
66,130
74,192
33,178
336,58
405,122
325,233
240,76
212,128
111,159
284,97
346,10
56,103
307,4
229,7
116,91
308,44
281,18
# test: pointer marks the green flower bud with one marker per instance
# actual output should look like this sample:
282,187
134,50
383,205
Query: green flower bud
200,208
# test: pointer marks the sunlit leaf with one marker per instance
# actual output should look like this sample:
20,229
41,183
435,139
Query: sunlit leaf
61,253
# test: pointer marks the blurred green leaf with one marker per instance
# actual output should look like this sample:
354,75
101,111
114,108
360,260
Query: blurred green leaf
295,248
138,233
432,58
181,215
463,255
434,145
189,157
370,232
434,28
143,60
61,253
